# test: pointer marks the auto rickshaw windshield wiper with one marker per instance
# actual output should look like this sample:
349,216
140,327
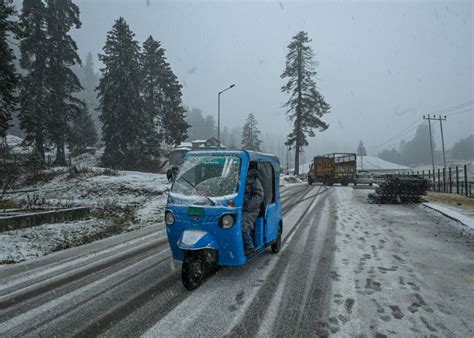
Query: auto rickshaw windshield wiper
194,188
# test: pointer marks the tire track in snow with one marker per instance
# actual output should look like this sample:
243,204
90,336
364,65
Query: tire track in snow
56,302
298,257
68,277
37,315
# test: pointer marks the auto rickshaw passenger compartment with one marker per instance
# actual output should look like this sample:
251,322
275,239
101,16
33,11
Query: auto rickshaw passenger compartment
266,176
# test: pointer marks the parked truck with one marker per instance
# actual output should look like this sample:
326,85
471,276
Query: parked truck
333,168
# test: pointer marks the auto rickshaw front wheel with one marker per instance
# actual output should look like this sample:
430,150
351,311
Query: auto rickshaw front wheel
192,271
197,266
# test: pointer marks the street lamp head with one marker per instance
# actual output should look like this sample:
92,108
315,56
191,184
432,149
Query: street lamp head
231,86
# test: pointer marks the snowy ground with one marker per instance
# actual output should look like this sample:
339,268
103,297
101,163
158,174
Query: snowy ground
460,204
16,146
347,268
96,186
26,244
120,201
89,159
453,214
400,270
289,180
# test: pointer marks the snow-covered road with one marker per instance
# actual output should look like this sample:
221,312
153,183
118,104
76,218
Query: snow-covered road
346,268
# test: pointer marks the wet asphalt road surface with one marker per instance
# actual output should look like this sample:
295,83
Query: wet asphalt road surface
346,268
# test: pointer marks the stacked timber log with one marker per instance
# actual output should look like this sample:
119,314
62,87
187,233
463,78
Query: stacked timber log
400,190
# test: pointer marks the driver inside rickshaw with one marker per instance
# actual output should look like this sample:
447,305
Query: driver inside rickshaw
254,196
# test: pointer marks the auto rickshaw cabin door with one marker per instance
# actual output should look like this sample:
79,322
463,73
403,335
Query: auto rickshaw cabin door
269,207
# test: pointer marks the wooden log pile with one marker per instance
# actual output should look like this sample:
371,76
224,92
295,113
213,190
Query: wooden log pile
400,190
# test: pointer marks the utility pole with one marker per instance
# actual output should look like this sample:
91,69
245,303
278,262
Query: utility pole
442,139
440,119
431,145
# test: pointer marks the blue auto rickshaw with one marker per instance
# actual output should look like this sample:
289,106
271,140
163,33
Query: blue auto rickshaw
204,211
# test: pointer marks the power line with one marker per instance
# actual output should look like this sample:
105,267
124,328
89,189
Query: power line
408,135
461,112
453,108
441,111
400,134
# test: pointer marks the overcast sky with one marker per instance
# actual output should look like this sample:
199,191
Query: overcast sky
382,65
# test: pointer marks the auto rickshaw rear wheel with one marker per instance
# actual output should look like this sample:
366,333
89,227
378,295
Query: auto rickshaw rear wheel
276,246
192,271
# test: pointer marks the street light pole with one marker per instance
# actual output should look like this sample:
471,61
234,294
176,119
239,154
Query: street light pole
219,120
219,114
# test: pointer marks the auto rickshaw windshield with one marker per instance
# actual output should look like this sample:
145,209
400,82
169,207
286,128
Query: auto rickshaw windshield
208,176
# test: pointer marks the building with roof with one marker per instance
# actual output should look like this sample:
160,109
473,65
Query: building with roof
177,154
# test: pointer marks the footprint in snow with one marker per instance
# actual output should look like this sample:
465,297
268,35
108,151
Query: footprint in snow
396,312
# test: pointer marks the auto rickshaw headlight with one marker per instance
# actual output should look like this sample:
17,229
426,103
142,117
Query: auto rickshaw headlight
227,221
169,218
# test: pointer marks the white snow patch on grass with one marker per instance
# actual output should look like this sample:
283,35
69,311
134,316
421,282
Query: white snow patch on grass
26,244
120,201
448,212
289,180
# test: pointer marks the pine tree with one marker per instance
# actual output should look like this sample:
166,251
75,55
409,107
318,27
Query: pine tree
225,136
464,149
9,79
196,121
154,82
417,150
361,149
34,88
250,134
391,156
90,80
174,126
162,96
83,133
306,105
120,102
61,17
210,128
235,138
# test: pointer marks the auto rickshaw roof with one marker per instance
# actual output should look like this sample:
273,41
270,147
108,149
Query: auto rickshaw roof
252,155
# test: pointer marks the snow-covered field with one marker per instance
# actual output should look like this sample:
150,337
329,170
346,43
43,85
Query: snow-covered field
289,180
400,270
89,159
120,201
25,244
